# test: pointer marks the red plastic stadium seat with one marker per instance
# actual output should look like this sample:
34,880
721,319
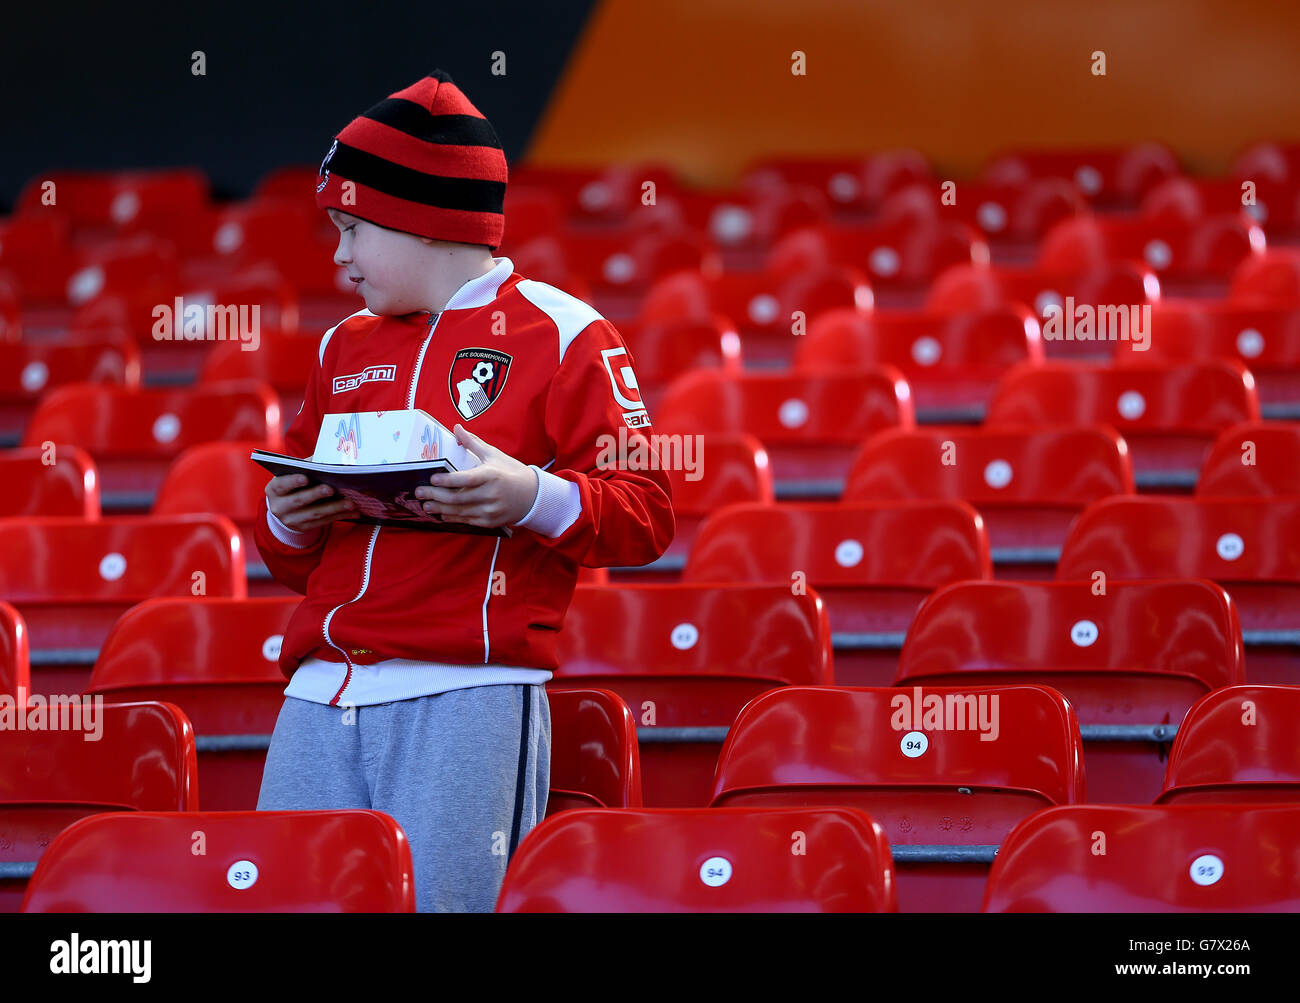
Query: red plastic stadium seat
1192,257
1250,546
29,371
1169,414
945,784
1191,199
872,563
1265,340
134,435
231,307
848,183
294,181
1109,177
969,288
1178,858
1274,161
763,306
129,267
1237,745
810,424
899,257
666,349
1130,662
124,200
1268,280
282,233
595,762
952,362
36,253
219,478
218,660
284,361
720,470
1028,484
72,578
11,318
702,860
752,219
347,860
1253,459
628,260
14,656
68,486
685,670
1010,215
142,759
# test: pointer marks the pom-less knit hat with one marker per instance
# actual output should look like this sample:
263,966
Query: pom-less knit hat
425,161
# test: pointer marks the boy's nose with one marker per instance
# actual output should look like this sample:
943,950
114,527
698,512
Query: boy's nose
341,258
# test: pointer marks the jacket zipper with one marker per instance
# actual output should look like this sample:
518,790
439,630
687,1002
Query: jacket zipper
370,549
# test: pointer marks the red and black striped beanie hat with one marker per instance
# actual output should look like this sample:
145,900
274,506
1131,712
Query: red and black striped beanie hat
425,161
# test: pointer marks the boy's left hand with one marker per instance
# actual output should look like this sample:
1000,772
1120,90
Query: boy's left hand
497,492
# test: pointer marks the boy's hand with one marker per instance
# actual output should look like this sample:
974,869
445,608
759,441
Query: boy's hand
302,507
498,492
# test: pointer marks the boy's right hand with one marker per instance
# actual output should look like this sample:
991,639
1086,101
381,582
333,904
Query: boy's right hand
302,506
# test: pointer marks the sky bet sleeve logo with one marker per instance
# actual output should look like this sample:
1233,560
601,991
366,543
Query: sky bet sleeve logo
370,374
626,391
477,377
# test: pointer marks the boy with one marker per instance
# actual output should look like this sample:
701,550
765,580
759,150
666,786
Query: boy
442,641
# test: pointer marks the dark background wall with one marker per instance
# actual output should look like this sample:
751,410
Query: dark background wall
100,86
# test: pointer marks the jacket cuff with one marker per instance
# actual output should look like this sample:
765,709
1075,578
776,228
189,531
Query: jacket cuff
291,537
557,506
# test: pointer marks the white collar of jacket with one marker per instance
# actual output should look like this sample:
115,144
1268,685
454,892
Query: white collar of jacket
482,290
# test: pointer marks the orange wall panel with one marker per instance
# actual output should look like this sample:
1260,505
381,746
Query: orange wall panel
707,84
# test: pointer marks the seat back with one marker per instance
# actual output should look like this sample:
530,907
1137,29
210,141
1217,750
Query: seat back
939,768
809,424
1128,858
67,486
72,578
1257,459
1140,653
88,757
952,362
15,659
1250,546
873,563
1131,661
133,434
216,477
595,762
1167,413
254,861
702,860
1237,745
1027,483
139,423
675,656
218,660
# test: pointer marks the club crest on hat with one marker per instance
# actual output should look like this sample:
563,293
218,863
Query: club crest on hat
477,377
324,168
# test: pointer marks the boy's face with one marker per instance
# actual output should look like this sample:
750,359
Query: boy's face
386,265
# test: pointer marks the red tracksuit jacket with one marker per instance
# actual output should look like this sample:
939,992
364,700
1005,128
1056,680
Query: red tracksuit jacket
561,378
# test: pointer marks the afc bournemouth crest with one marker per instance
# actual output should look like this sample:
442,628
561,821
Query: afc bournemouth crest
478,375
324,168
